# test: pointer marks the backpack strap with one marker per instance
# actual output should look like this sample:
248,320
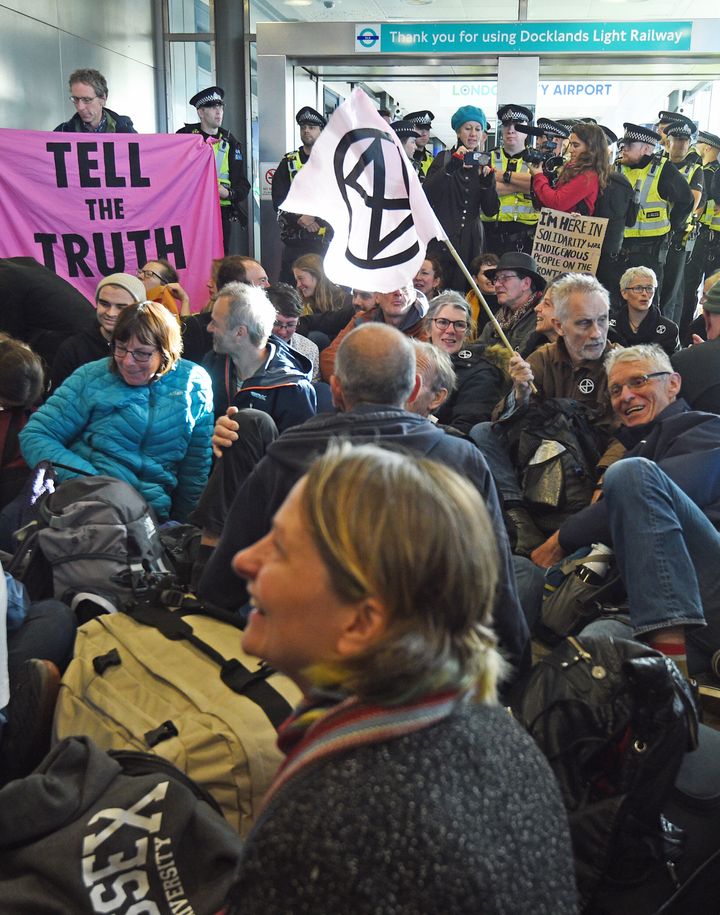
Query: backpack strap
250,683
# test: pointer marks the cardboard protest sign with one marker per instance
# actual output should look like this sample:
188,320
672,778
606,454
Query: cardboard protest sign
87,205
567,242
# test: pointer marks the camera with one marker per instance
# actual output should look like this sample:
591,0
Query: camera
480,159
544,155
328,4
540,154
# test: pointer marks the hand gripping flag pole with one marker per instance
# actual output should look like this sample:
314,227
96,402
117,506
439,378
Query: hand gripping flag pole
359,180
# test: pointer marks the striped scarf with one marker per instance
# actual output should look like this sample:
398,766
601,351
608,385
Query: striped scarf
325,724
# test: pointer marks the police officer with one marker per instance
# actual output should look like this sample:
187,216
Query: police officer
408,136
679,136
552,137
705,257
422,122
300,234
615,203
662,195
233,185
667,119
513,227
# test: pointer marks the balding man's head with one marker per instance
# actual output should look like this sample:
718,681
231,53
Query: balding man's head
374,364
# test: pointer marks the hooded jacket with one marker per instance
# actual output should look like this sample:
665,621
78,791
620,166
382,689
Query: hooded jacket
287,459
280,387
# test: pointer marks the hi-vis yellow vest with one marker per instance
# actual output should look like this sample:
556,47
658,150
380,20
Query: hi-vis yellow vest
711,213
295,163
653,217
426,161
513,207
222,164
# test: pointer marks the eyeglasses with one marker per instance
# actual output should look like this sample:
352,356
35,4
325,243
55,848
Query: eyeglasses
443,324
285,325
146,274
637,381
139,355
640,289
504,277
84,99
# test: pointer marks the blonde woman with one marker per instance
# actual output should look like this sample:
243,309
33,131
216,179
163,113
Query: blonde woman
406,789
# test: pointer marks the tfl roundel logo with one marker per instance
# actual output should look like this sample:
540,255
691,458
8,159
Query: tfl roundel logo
367,38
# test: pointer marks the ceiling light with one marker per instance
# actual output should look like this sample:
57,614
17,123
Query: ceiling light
298,2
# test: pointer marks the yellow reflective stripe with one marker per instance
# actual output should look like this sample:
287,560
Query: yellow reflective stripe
294,162
513,207
222,164
648,226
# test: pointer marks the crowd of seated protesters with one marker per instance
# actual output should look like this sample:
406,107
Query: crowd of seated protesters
386,383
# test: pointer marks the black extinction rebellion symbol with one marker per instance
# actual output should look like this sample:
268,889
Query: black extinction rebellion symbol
374,242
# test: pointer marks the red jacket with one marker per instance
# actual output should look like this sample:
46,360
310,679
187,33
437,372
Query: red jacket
583,188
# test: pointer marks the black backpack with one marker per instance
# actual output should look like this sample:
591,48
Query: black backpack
617,204
92,534
614,719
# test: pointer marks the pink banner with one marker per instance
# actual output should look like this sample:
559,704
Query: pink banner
87,205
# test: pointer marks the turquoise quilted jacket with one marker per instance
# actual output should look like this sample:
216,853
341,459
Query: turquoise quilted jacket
155,437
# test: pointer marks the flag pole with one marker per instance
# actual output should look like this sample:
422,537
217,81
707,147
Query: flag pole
481,299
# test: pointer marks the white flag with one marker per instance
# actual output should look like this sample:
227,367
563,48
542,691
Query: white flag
359,180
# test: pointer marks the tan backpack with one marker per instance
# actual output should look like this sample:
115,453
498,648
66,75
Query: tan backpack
178,684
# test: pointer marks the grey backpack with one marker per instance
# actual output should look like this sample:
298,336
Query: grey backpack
94,535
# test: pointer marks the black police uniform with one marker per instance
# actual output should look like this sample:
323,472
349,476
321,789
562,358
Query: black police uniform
705,257
296,240
239,184
652,252
672,293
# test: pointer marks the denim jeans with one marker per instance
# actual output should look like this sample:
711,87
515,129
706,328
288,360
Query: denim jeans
668,554
491,442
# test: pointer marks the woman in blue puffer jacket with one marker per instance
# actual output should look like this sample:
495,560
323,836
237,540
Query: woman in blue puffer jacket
144,415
